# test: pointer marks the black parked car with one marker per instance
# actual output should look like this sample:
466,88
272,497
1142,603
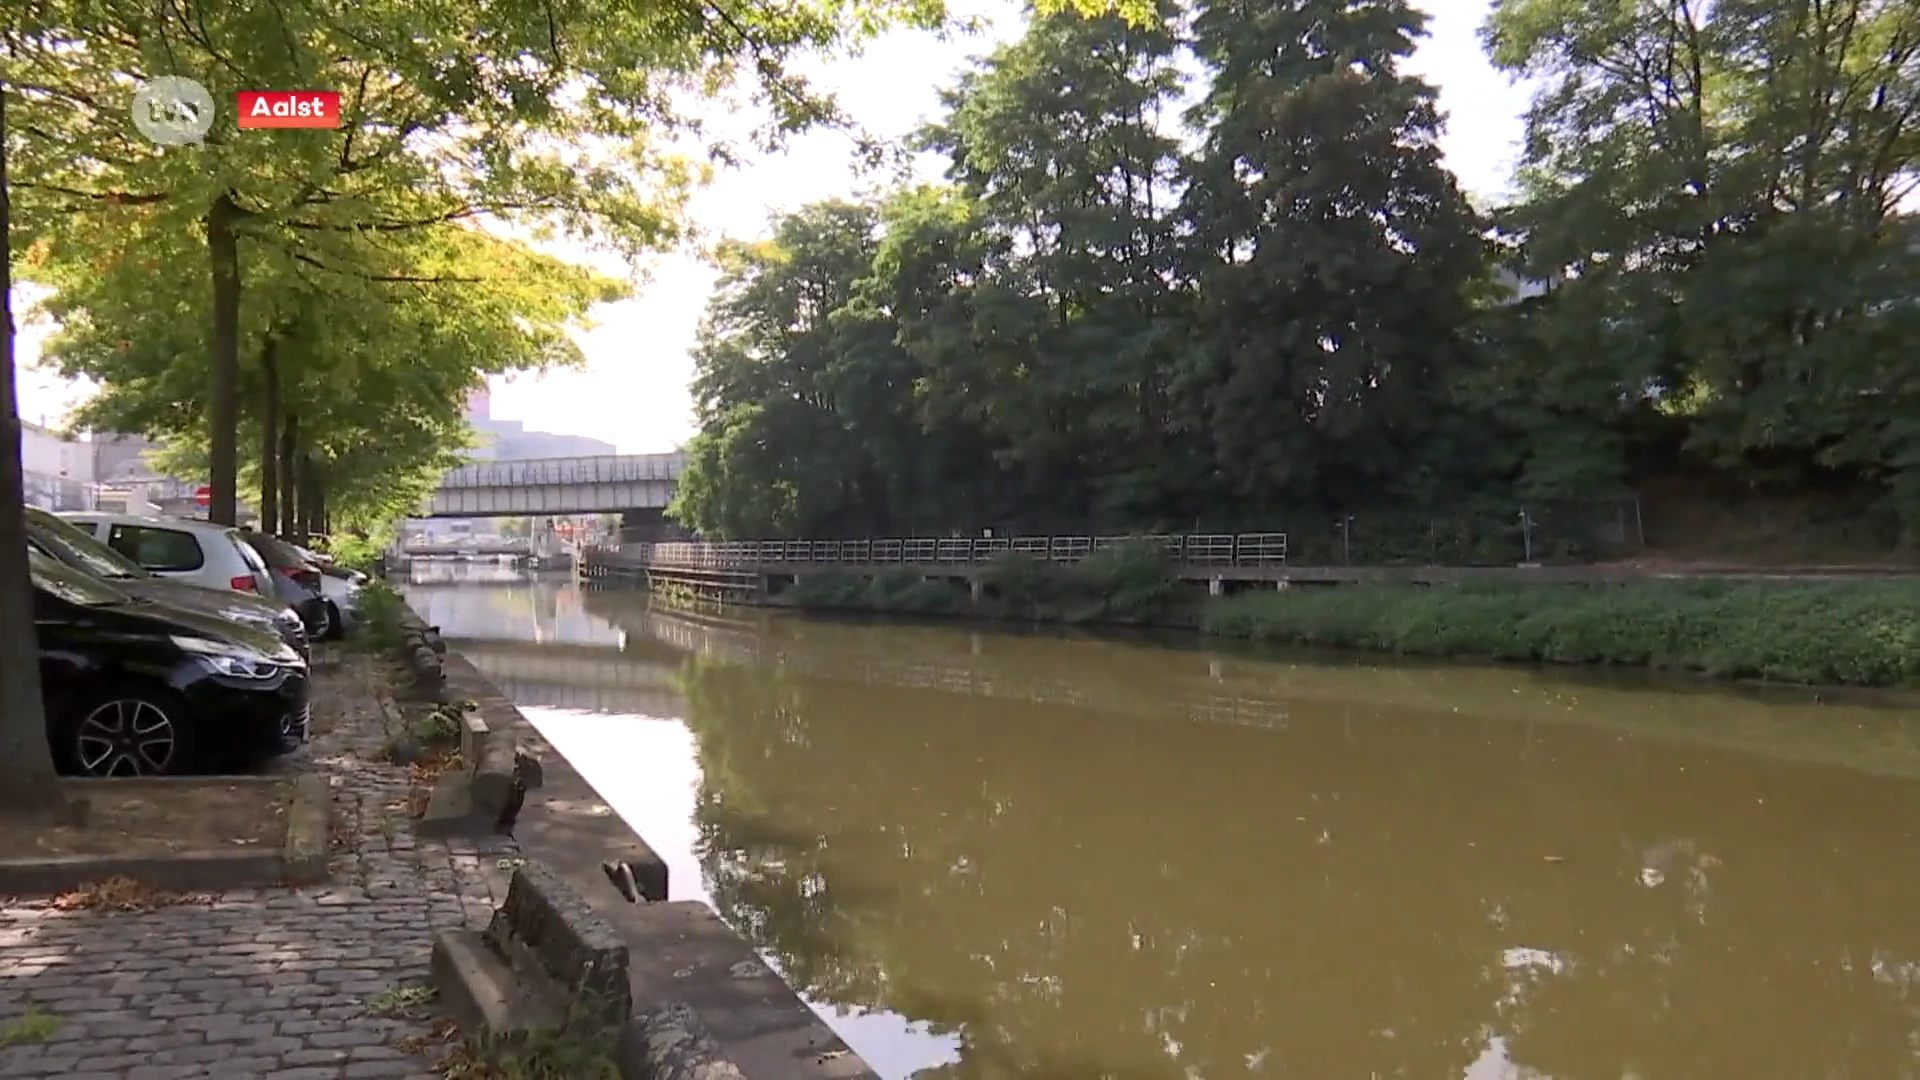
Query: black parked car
74,547
137,688
295,581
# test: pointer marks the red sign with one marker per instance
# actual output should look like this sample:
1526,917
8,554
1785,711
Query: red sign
203,495
289,109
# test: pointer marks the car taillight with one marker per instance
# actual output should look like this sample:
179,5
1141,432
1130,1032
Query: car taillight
244,584
308,578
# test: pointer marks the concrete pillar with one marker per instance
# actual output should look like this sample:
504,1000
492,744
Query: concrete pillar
976,589
976,644
1216,669
1217,586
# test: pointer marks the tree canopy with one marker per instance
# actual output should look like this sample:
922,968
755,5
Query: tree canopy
1211,271
186,273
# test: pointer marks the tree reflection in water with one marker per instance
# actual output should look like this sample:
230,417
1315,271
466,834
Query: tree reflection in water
1080,895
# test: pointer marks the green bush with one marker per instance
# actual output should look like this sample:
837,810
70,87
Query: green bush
1028,588
892,590
355,552
885,590
1864,633
380,608
1130,582
928,597
829,590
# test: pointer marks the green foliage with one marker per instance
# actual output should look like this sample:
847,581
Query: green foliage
897,591
549,120
360,553
1288,313
1026,587
380,611
829,590
1130,582
1863,633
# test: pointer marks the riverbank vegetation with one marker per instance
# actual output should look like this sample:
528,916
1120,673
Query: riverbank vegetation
1855,633
1831,633
1127,585
1286,315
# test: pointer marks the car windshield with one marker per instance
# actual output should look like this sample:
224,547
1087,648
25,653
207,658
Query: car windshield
52,576
74,547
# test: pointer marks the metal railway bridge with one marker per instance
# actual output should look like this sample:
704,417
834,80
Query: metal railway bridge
557,486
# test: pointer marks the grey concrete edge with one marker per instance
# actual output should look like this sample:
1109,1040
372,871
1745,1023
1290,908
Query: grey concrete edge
180,872
659,1041
670,1043
305,853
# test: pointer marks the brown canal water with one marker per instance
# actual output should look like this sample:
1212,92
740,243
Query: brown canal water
994,855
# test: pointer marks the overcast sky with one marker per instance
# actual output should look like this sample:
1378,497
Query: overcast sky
633,391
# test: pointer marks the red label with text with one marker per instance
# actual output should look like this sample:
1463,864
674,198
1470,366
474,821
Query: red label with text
289,108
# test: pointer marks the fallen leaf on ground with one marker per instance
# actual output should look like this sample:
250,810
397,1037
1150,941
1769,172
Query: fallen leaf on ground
123,894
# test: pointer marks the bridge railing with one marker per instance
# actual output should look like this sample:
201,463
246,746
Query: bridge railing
1218,549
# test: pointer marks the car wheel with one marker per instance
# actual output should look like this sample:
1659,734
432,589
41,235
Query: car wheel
128,731
322,627
333,628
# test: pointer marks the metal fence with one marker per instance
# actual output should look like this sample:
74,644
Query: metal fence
1245,549
58,492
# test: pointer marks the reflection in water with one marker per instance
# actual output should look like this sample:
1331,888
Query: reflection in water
1040,848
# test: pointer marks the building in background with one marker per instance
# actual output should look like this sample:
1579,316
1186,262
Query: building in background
58,472
509,440
125,477
504,440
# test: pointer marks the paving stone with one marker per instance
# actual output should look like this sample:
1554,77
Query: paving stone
263,983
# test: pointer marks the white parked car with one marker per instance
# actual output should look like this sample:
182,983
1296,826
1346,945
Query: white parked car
201,552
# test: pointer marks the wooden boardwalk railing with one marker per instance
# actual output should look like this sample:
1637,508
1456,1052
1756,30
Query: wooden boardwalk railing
1223,549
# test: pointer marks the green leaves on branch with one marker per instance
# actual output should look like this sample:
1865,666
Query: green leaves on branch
1286,312
562,118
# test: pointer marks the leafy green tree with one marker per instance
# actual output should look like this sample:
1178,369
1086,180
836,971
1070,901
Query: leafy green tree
1062,139
1333,250
370,408
1717,190
449,115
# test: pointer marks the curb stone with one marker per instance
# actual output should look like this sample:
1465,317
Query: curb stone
300,857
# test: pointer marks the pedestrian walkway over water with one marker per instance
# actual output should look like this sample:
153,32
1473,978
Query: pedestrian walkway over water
1243,558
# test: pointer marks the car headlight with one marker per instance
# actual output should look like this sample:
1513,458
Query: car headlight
230,660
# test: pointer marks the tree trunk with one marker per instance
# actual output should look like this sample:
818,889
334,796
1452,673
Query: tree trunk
270,434
29,788
315,511
223,405
289,472
309,499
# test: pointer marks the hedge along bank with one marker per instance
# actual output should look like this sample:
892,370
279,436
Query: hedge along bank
1860,632
1126,585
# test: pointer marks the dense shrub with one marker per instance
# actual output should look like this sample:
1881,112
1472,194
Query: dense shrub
1025,587
380,607
1844,632
895,590
829,589
1130,582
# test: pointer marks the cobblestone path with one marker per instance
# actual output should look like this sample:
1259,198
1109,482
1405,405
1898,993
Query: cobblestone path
283,984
